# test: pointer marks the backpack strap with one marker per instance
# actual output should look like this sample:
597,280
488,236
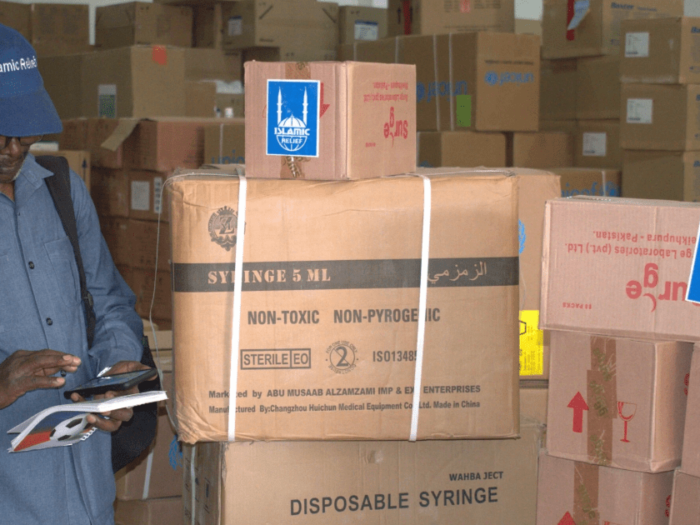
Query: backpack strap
59,188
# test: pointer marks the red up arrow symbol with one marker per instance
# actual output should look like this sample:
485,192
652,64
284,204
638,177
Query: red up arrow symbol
579,405
324,107
567,520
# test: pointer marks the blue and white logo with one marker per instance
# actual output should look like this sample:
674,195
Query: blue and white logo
522,236
491,78
293,117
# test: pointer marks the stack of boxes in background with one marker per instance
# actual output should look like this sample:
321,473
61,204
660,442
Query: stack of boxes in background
618,376
661,105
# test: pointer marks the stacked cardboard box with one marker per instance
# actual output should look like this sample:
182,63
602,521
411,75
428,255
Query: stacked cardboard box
619,363
660,127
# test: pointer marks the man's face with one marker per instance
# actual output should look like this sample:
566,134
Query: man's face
13,151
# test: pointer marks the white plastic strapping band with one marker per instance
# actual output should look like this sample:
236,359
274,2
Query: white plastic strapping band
193,485
147,480
237,293
422,304
437,84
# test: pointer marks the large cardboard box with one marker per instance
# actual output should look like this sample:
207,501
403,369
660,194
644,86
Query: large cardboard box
661,51
567,126
597,144
361,23
61,75
660,117
200,99
685,502
637,252
290,53
138,81
207,25
146,283
329,120
134,194
461,148
540,150
158,472
136,23
589,181
571,492
669,175
317,361
436,17
60,29
594,28
133,242
213,64
598,88
161,511
617,402
525,26
491,481
280,23
18,17
225,143
690,463
558,89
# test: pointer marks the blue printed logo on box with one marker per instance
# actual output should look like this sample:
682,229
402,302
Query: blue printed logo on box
693,292
293,108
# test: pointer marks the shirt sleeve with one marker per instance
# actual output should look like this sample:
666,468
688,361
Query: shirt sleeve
119,329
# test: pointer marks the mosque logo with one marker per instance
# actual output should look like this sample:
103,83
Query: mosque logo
292,117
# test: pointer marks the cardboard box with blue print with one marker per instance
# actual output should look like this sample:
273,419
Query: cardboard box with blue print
329,120
365,483
589,181
329,323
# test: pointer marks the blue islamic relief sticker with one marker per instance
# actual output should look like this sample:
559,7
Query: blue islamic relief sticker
293,115
522,237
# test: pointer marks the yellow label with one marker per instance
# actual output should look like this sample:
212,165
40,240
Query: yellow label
531,344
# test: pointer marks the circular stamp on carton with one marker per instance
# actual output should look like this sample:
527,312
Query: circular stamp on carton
342,357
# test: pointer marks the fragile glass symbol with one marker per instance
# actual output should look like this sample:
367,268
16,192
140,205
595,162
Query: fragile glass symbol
627,412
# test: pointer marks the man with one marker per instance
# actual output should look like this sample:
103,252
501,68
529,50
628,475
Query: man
42,318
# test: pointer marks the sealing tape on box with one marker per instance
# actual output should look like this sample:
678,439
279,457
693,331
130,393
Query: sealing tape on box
237,295
601,392
586,492
422,304
147,478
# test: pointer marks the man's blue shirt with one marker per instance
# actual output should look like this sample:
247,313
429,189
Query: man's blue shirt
41,307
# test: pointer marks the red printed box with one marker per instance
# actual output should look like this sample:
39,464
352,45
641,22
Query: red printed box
620,267
617,402
330,120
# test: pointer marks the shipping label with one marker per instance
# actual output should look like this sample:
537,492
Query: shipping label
595,144
637,45
140,195
640,110
366,30
531,344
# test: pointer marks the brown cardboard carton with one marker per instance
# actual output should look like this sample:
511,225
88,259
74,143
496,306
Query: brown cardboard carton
207,25
335,382
141,283
435,17
133,242
589,181
685,502
564,34
361,23
224,143
558,89
598,144
467,149
525,26
570,492
105,138
660,51
60,29
200,99
533,400
213,64
598,88
230,105
161,511
669,175
540,150
136,23
567,126
280,23
18,17
690,463
138,81
126,193
61,74
660,117
289,53
110,192
491,481
158,473
617,402
637,252
361,125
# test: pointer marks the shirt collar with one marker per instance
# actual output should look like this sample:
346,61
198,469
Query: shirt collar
32,172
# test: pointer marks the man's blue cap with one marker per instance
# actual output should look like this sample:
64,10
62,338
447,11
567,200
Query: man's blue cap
26,109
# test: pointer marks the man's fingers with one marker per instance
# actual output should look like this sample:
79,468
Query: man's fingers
123,414
36,382
108,425
50,362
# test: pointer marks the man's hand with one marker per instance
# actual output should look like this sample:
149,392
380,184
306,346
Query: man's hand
25,370
115,417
